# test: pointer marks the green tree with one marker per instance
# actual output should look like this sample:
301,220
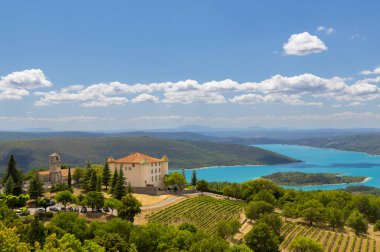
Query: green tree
335,217
106,175
22,199
128,208
94,199
255,209
78,175
69,178
93,181
36,232
13,173
376,227
36,187
9,186
212,244
265,195
10,240
11,201
86,178
239,248
129,188
113,182
289,210
194,178
228,191
69,222
273,220
120,189
226,229
99,184
312,211
357,222
112,203
176,181
65,197
305,244
262,238
202,185
44,202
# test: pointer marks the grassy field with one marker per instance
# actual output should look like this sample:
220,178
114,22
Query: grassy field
330,240
203,211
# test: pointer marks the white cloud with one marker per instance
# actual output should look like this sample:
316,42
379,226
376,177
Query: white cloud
145,98
304,89
368,72
327,30
272,98
302,44
17,84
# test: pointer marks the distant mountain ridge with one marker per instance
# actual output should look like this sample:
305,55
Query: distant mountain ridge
33,153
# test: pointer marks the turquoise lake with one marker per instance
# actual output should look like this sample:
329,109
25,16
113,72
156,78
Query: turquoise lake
315,160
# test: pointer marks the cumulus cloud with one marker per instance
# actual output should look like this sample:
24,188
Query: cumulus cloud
368,72
302,44
304,89
17,84
145,98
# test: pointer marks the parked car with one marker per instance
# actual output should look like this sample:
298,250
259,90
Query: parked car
83,210
53,209
106,209
40,210
52,203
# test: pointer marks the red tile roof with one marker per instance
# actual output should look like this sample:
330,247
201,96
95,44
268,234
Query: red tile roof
135,158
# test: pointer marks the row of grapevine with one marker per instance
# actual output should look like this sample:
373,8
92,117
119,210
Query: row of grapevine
331,241
204,212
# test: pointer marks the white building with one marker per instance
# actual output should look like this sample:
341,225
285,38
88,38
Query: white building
141,170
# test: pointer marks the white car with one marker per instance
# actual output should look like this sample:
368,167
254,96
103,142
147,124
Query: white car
40,210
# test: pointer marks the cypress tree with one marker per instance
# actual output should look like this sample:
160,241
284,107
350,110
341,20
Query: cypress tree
99,184
93,181
194,178
36,187
106,175
129,189
120,191
36,231
69,177
113,181
184,174
11,170
9,186
86,178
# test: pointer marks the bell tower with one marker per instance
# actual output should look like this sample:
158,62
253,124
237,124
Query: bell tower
55,168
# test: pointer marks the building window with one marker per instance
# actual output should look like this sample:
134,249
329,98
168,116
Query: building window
155,170
156,177
151,171
133,165
152,178
130,168
159,169
159,177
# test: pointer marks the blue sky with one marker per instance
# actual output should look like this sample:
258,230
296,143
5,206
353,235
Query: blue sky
97,65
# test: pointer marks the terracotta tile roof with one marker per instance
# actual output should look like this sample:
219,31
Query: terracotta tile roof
135,158
64,172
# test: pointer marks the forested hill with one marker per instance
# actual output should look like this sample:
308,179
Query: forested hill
369,143
33,153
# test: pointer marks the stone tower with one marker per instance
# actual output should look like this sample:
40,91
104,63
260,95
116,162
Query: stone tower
55,168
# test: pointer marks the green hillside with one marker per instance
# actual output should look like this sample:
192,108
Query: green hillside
33,153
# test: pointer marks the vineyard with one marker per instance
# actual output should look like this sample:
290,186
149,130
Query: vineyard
203,211
330,240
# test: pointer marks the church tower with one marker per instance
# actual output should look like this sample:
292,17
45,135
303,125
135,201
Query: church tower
55,168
